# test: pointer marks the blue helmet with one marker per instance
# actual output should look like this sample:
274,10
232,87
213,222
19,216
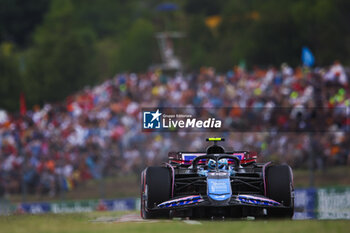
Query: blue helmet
223,164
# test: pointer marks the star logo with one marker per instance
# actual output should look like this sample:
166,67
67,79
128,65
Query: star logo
151,120
156,115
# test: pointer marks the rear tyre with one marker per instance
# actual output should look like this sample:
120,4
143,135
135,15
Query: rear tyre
155,189
279,187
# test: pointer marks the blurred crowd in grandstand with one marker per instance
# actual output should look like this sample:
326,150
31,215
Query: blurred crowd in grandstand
97,132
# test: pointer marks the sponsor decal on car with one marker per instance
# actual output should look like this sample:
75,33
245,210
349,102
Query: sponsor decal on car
181,201
249,199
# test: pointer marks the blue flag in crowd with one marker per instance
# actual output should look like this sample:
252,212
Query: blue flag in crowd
307,57
167,6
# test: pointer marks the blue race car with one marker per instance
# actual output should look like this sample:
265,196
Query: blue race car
216,183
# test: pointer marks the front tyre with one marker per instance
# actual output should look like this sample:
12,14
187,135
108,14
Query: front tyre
279,187
155,189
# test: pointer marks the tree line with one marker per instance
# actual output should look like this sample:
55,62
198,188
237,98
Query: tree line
52,48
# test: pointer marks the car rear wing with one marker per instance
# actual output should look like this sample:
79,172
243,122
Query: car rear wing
186,158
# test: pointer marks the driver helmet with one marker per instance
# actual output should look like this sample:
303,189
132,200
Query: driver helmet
223,164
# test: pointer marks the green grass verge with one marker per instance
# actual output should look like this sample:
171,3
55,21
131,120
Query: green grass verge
71,223
335,176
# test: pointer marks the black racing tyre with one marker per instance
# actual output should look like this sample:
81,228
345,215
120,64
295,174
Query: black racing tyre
279,187
155,189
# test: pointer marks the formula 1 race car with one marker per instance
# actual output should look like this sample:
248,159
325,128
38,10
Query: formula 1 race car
216,183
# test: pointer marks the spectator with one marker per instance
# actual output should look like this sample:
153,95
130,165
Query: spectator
96,131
